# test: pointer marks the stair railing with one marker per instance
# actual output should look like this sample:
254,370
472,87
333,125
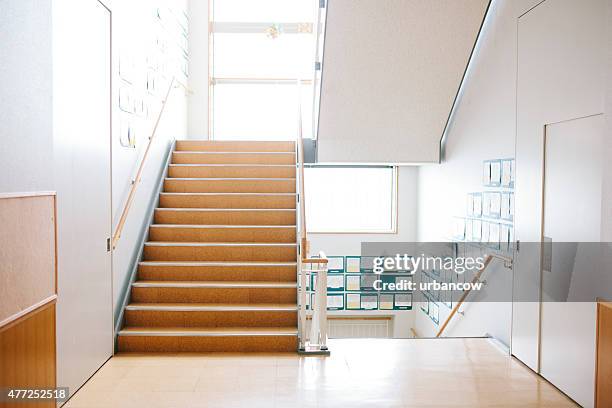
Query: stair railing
174,83
487,261
315,340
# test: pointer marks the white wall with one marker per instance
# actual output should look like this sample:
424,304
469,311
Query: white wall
198,67
483,127
606,193
140,49
26,148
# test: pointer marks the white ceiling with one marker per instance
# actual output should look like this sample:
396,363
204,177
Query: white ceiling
391,71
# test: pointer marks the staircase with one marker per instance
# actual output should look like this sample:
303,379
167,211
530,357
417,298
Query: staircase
219,268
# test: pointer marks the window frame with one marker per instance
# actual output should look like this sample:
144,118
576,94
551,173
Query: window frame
394,202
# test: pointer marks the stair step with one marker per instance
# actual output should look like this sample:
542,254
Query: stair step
211,307
222,233
228,200
232,170
215,284
225,216
196,339
206,332
229,185
202,157
214,292
210,315
219,251
218,271
235,146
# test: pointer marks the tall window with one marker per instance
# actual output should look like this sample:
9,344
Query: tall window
259,49
350,199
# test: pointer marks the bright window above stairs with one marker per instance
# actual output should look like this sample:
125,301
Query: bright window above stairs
259,49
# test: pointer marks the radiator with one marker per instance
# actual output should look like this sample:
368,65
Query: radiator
355,329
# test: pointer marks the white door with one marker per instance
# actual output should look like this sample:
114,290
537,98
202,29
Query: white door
573,181
83,181
560,76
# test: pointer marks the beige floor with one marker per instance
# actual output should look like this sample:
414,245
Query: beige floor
359,373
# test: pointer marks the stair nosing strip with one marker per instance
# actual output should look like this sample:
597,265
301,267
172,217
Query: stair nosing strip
231,178
202,334
210,152
227,244
195,263
187,308
293,166
222,209
216,285
230,226
229,193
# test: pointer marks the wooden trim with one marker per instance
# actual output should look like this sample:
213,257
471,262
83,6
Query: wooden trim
27,313
599,399
28,194
597,334
55,234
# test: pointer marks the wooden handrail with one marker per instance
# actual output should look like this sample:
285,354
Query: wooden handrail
300,146
487,261
137,179
315,260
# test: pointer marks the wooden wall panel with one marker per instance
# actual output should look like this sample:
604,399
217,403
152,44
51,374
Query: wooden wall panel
28,292
27,353
603,395
27,250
